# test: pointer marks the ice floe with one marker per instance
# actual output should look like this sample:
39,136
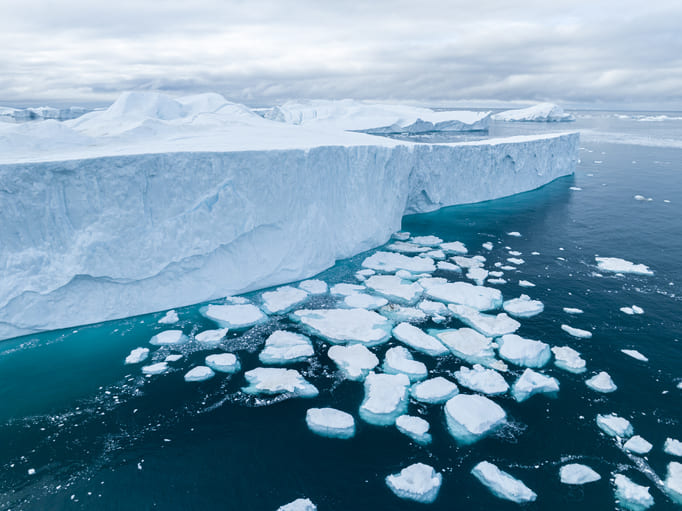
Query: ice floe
438,255
673,481
522,283
446,266
454,247
414,427
576,332
299,505
390,262
283,299
501,484
158,368
531,383
470,417
433,309
234,316
487,324
636,355
385,398
516,261
168,338
418,482
211,338
345,289
469,262
523,307
638,445
673,447
170,318
407,247
419,340
572,310
434,390
632,310
487,245
274,380
427,241
478,275
400,313
523,352
137,355
568,359
395,289
314,286
631,495
470,346
330,422
515,234
283,347
575,473
354,361
480,379
199,373
223,362
398,360
617,265
173,357
364,301
340,326
602,382
615,426
477,297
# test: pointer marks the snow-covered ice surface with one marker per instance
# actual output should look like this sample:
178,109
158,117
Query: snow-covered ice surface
673,447
234,316
486,324
390,262
199,373
169,318
631,495
614,425
602,382
283,299
330,422
395,289
314,286
478,297
542,112
524,352
399,360
531,383
169,338
386,398
502,484
418,482
434,390
480,379
638,445
523,307
364,301
283,347
470,417
137,355
673,481
301,504
568,359
157,368
414,427
211,338
576,332
635,354
354,361
470,346
617,265
341,326
576,473
223,362
419,340
271,381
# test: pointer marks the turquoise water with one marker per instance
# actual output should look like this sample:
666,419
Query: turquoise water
102,436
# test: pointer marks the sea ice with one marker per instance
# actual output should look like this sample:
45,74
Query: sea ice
418,340
158,368
390,262
283,347
429,282
515,260
613,425
638,445
427,241
531,383
399,314
571,310
446,266
575,473
434,390
478,297
470,417
314,286
298,505
283,299
454,247
515,234
468,262
223,362
673,447
173,357
438,255
199,373
502,484
211,338
330,422
601,382
542,112
234,316
673,481
523,307
401,235
480,379
487,245
470,346
364,301
487,324
497,282
478,275
406,247
345,289
395,289
631,495
398,360
616,265
636,355
568,359
524,352
418,482
385,398
637,310
414,427
433,308
137,355
354,361
340,326
271,381
168,338
170,318
576,332
522,283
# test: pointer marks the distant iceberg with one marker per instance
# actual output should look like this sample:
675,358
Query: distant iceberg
542,112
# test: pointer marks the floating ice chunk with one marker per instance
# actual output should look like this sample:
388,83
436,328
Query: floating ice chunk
211,338
542,112
223,362
454,247
627,310
501,484
314,286
406,247
468,262
399,360
575,188
480,379
637,310
345,325
478,297
395,289
418,482
235,316
446,266
514,234
576,332
531,383
514,253
568,359
673,481
429,282
535,253
487,245
470,417
496,273
398,313
199,373
433,308
330,422
571,310
524,283
401,235
354,361
487,324
31,471
470,346
523,307
385,398
170,318
434,391
168,338
524,352
497,282
673,447
643,198
137,355
390,262
283,299
601,382
283,347
298,505
616,265
439,255
631,495
344,289
271,381
417,339
615,426
414,427
575,473
158,368
638,445
173,357
635,354
364,301
427,241
363,274
478,275
506,267
515,260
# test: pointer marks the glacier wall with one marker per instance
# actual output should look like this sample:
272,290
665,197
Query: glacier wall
103,238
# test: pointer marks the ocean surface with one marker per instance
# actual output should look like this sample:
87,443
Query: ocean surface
100,435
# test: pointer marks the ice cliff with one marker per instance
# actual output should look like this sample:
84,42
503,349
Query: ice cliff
156,203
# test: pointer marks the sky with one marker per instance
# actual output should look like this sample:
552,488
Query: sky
262,52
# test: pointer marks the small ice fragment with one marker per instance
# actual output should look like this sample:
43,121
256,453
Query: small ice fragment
354,361
330,422
531,383
615,426
468,262
515,260
314,286
497,282
390,262
168,338
630,495
385,398
640,197
345,289
199,373
400,314
434,391
571,310
417,339
602,382
637,310
223,362
158,368
487,245
438,255
211,338
137,355
31,471
496,274
433,308
340,326
446,266
524,352
454,247
478,297
480,379
401,235
364,301
568,359
575,188
170,318
418,482
478,275
502,484
283,347
617,265
235,316
272,381
414,427
635,354
575,473
535,253
173,357
638,445
427,241
515,253
470,346
298,505
627,310
576,332
283,299
514,234
523,307
506,267
399,360
470,417
407,247
673,481
395,289
673,447
487,324
526,283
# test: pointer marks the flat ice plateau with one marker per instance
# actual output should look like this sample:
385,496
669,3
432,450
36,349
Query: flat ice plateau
156,203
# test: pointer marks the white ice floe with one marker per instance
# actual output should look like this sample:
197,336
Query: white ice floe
496,273
542,112
137,355
568,359
636,355
362,275
345,289
515,234
575,473
531,383
340,326
673,481
469,262
524,352
470,417
427,241
497,282
299,505
418,482
470,346
158,368
515,261
168,338
414,427
478,297
173,357
434,390
617,265
199,373
631,495
480,379
223,362
438,254
478,275
330,422
398,360
354,361
314,286
454,247
487,324
602,382
395,289
632,310
501,484
274,380
432,308
487,245
616,426
364,301
399,313
576,332
446,266
673,447
407,247
572,310
283,347
638,445
522,283
429,282
234,316
390,262
514,253
211,338
523,307
385,398
170,318
401,235
283,299
419,340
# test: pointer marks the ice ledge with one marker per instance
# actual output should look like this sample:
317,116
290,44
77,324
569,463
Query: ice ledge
103,238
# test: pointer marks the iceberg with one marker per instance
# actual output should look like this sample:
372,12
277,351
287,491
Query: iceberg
673,481
398,360
354,361
223,362
568,359
434,391
283,347
638,445
523,352
385,398
283,299
617,265
480,379
234,316
601,382
523,307
531,383
414,427
137,355
470,417
486,324
168,338
631,495
615,426
342,326
418,482
502,484
470,346
330,422
199,373
418,340
395,289
273,381
298,505
542,112
575,473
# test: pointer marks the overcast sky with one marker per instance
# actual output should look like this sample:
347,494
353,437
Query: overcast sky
263,52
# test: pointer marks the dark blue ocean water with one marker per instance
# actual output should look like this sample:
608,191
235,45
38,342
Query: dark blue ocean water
101,436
